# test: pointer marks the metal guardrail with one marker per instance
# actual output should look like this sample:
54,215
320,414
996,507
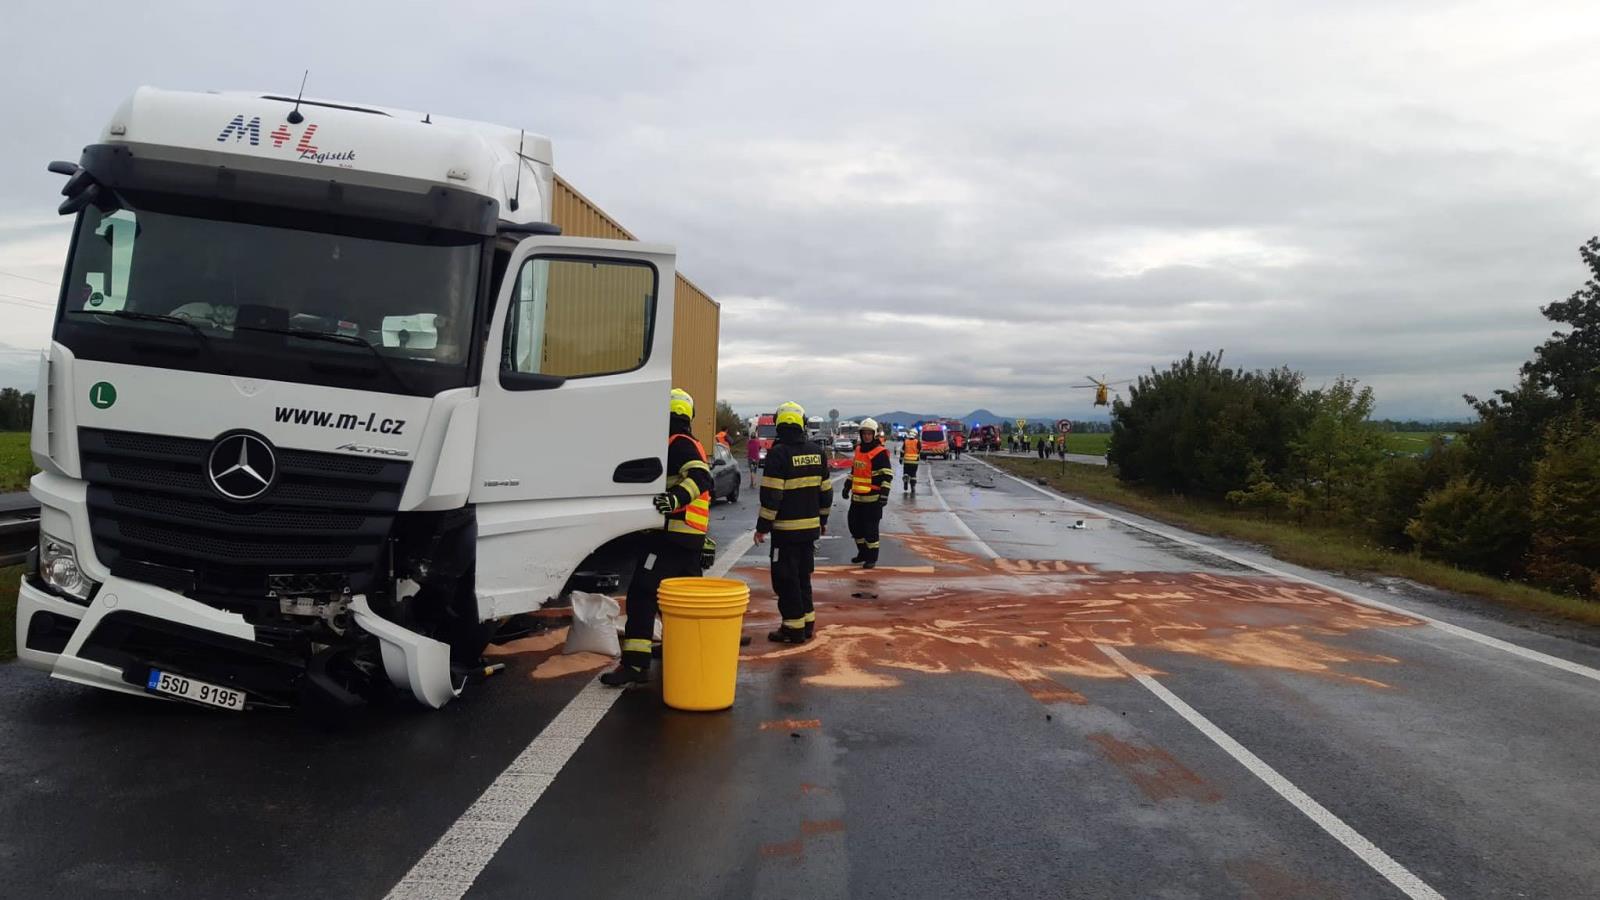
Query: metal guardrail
19,527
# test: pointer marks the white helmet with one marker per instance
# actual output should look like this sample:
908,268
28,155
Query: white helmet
869,424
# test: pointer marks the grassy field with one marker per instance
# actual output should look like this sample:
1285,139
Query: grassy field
1092,444
1409,441
16,466
9,576
1320,548
1398,441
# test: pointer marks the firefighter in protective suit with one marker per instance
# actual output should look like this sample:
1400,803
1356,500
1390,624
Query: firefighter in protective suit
871,475
910,454
796,494
675,551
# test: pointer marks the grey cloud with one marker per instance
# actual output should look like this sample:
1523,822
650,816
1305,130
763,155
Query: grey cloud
1102,188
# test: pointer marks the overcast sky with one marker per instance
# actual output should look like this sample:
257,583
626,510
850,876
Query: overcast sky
939,207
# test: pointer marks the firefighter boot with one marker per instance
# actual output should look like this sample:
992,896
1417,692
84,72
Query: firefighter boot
786,635
811,625
861,553
634,669
624,675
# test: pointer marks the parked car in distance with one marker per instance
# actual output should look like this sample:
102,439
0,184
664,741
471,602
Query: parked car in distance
725,477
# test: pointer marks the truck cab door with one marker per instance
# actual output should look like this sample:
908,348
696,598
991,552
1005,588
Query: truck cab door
572,412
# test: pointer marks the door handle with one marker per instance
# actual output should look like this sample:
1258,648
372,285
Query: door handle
638,471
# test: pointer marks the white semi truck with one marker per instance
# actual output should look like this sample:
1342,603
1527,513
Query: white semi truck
304,421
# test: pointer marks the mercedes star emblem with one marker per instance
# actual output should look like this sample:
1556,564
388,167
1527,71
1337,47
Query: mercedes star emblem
241,466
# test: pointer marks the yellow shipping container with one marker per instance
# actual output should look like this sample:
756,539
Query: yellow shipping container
696,320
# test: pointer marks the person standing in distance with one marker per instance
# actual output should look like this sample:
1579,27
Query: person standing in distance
910,457
752,455
675,550
796,494
871,476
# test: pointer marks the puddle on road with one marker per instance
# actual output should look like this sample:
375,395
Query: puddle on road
1028,621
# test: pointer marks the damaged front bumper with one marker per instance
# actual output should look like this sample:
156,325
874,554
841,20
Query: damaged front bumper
129,628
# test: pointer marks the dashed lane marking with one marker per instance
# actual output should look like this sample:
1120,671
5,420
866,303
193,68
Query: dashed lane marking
456,860
1555,662
1369,853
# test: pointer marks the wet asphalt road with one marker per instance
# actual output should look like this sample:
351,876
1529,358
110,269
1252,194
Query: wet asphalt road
956,730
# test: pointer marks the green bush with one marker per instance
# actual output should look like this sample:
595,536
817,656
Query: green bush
1401,482
1474,525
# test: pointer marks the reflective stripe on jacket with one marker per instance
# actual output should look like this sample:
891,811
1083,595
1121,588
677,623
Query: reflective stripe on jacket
796,492
870,475
692,480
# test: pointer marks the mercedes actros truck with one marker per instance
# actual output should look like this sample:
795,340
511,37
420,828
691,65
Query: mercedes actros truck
303,420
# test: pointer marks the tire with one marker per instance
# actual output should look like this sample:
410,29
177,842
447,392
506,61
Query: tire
733,495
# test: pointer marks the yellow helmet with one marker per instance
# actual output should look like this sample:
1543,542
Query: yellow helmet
792,413
682,404
869,424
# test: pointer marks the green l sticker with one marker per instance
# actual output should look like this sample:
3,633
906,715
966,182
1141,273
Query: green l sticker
102,395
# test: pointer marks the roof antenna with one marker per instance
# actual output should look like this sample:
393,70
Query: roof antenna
294,114
516,192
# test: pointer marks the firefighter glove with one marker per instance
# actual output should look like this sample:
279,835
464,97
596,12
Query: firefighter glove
666,502
708,554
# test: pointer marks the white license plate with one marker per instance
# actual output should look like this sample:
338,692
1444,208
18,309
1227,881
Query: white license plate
199,691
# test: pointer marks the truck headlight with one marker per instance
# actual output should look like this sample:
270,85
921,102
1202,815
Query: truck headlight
59,569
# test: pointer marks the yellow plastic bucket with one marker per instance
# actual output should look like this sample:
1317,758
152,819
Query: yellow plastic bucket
701,619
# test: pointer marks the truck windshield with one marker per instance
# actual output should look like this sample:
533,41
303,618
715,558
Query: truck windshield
766,431
933,437
257,282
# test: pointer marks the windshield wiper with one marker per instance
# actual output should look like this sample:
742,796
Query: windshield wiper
201,336
350,340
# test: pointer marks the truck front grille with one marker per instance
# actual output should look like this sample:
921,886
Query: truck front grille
150,501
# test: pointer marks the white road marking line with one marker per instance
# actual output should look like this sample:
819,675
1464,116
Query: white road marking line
455,861
1555,662
460,855
965,528
1369,853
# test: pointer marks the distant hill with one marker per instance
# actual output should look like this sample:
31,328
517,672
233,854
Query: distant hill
977,416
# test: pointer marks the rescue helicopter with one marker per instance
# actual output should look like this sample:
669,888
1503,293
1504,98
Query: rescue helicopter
1102,388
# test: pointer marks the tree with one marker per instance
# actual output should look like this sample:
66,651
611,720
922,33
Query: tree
16,410
1200,428
1337,450
731,422
1565,508
1563,376
1402,482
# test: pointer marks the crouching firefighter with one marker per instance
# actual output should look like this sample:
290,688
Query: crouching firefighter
796,494
675,550
870,477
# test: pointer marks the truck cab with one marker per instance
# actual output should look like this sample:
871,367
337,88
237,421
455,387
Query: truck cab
301,423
